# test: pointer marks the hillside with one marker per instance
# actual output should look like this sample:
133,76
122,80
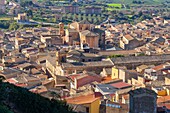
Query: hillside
20,100
147,2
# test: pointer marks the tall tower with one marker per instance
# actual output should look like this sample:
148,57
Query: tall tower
60,57
61,29
143,100
17,35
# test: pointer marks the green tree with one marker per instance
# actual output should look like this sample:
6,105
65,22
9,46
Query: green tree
4,109
13,26
29,13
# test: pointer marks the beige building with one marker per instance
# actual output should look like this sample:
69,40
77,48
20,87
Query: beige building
123,74
72,37
19,40
129,42
22,17
83,34
82,25
89,38
51,40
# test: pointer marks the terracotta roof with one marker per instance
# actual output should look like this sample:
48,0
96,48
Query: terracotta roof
106,79
88,33
73,76
11,80
159,67
84,99
129,37
121,85
163,99
20,85
87,79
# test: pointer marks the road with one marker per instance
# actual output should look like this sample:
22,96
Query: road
43,23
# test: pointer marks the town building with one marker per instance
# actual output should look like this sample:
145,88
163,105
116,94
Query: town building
73,8
22,17
93,10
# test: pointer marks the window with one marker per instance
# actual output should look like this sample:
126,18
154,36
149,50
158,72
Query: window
87,109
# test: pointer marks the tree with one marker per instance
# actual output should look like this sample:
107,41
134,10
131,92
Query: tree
29,13
55,95
28,102
4,109
13,26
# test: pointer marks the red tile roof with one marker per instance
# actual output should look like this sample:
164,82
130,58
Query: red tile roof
106,79
98,94
21,85
83,99
121,85
159,67
11,80
73,76
167,105
163,99
87,79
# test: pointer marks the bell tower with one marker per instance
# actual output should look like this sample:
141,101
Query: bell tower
61,29
17,35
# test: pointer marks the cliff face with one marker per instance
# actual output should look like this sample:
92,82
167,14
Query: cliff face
20,99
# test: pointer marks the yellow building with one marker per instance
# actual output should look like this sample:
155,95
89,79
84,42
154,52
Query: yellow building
22,17
91,102
168,91
115,73
160,91
167,80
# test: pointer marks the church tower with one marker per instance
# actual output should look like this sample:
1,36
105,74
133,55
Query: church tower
17,36
61,29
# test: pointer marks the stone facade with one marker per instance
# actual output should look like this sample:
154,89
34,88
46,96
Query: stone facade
143,101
